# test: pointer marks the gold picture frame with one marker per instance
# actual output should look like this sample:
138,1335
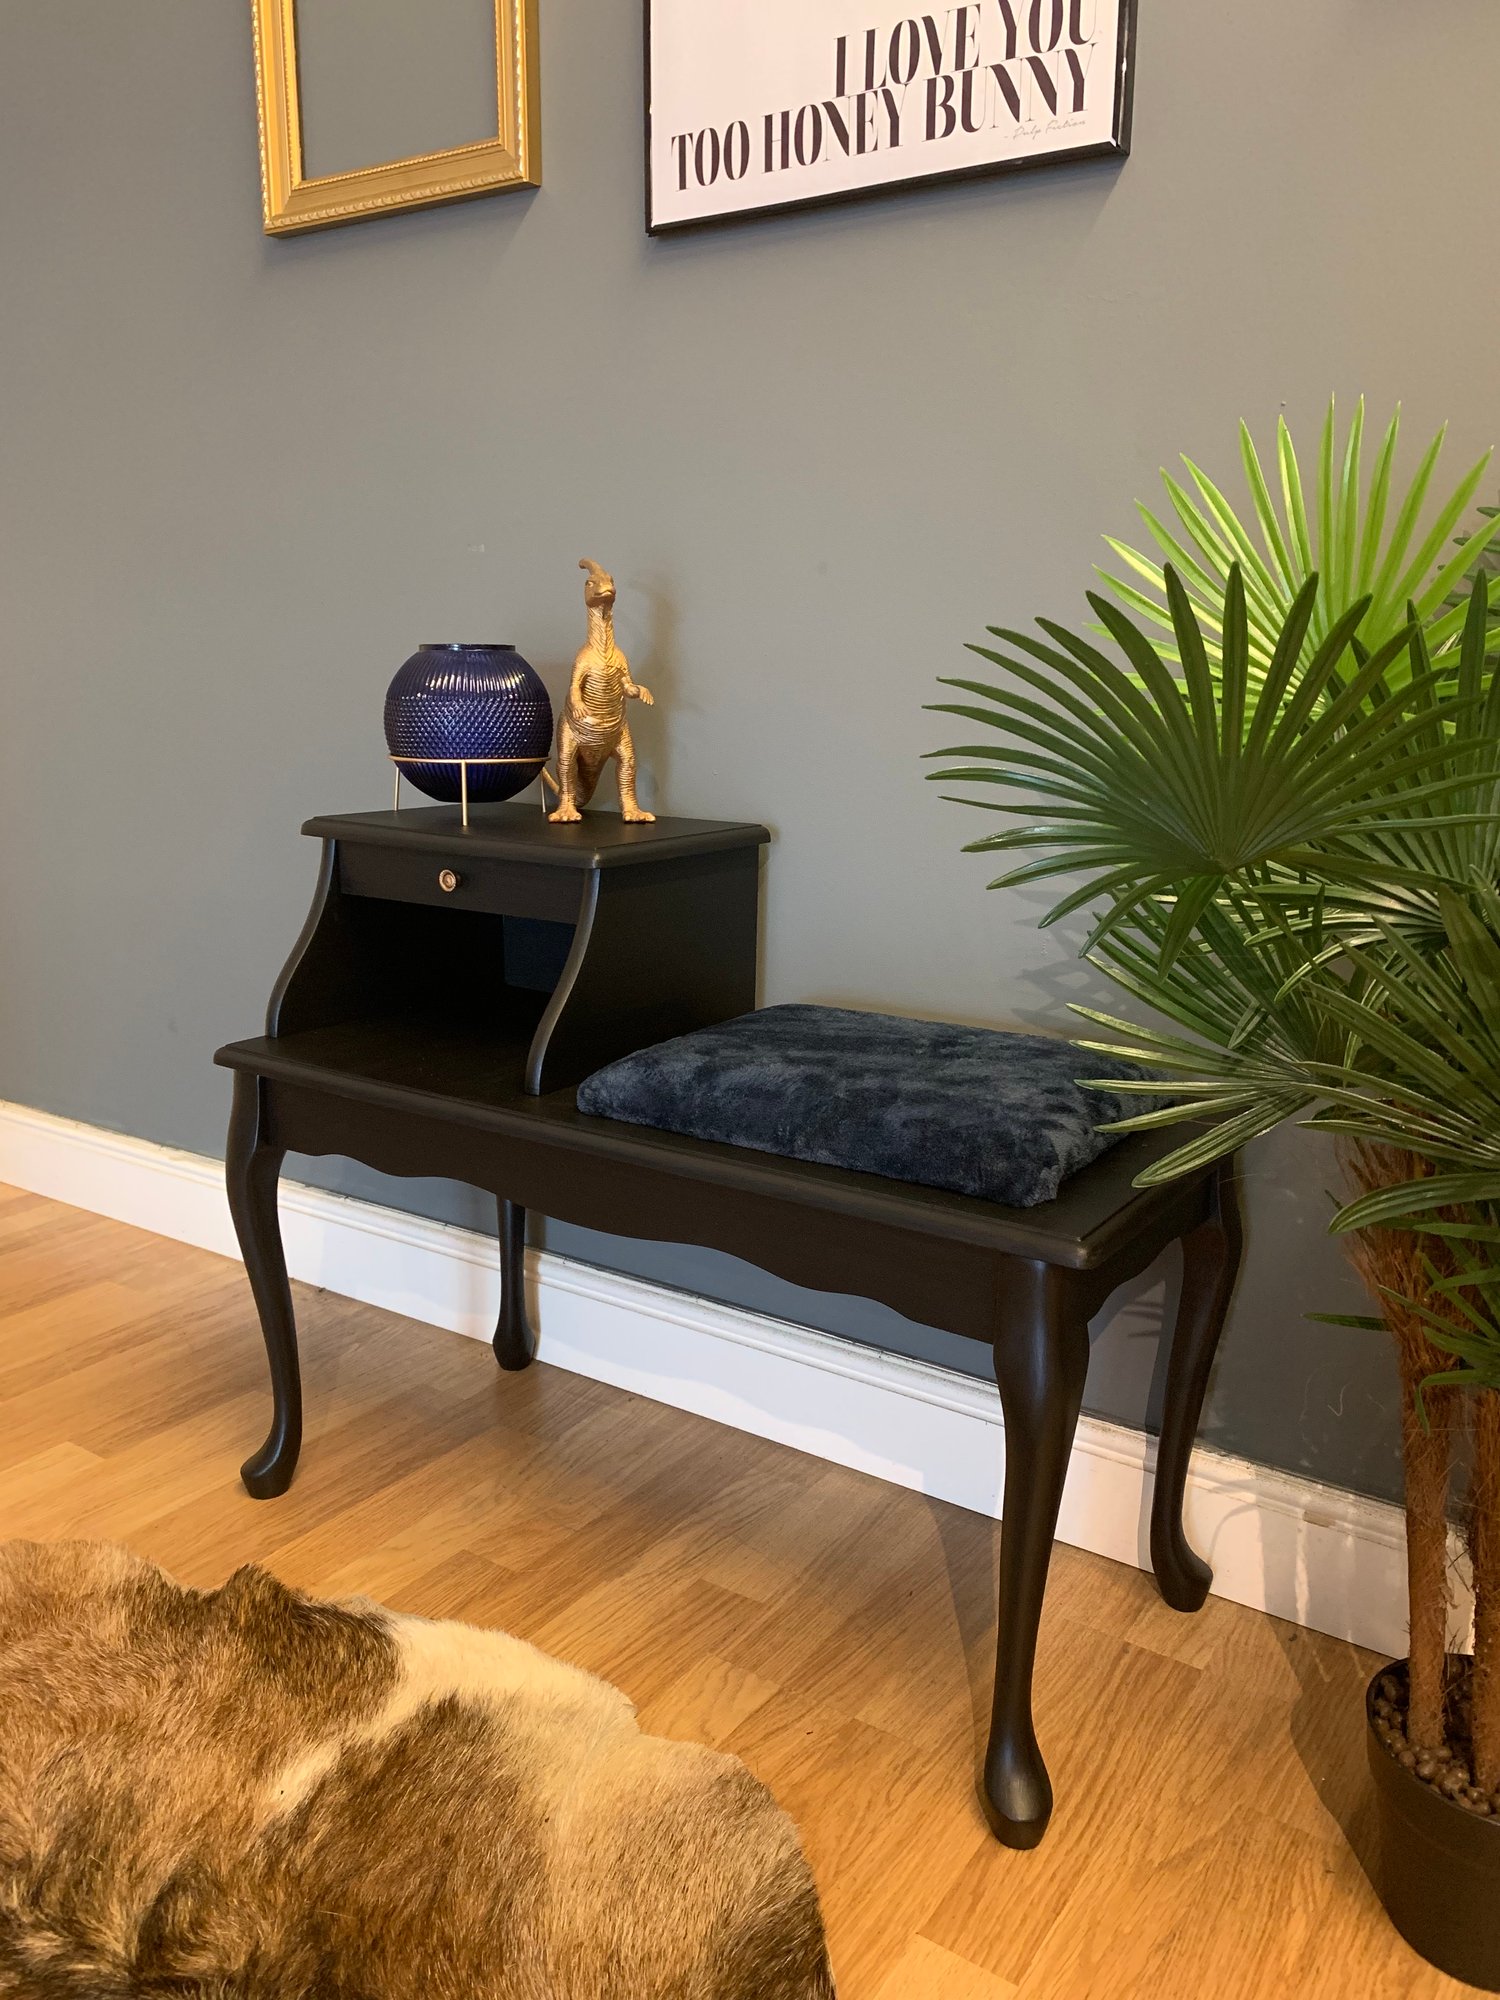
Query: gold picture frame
292,202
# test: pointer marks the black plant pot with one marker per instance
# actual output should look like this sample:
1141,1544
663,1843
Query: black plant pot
1438,1872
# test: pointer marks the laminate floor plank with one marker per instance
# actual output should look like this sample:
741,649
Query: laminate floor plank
837,1633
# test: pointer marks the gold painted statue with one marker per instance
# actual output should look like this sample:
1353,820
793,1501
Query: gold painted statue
593,727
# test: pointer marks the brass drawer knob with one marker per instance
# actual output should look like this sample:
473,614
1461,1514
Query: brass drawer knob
448,881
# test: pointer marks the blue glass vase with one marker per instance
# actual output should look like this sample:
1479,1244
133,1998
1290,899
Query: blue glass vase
480,703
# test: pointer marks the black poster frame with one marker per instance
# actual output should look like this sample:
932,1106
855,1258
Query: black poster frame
1116,147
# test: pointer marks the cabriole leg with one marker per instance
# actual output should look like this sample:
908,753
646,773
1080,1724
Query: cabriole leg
515,1344
252,1169
1041,1360
1210,1264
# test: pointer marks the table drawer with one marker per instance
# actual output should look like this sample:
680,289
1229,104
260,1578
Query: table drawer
449,880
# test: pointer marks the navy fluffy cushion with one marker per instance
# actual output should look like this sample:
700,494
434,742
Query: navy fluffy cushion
984,1113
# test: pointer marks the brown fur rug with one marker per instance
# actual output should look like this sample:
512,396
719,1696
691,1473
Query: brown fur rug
241,1794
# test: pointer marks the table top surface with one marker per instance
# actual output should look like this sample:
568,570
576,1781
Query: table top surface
524,834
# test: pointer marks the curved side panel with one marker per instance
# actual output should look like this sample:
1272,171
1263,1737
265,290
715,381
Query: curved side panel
319,982
658,952
537,1079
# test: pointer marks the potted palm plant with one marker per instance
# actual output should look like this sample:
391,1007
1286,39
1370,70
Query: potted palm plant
1272,770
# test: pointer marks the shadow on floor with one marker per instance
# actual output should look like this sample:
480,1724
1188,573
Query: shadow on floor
1328,1733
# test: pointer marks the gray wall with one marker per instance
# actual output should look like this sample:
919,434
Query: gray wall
389,80
239,479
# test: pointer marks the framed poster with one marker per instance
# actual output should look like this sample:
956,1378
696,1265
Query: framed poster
757,105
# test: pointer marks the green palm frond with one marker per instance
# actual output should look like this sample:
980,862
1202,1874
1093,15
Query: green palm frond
1396,555
1430,1078
1275,785
1439,831
1296,875
1461,1315
1257,1049
1153,783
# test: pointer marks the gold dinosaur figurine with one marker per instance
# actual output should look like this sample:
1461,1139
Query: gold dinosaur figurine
593,727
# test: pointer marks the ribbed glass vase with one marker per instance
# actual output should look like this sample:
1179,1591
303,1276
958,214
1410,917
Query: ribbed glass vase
477,702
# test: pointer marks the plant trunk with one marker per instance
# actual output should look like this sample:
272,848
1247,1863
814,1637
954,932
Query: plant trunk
1398,1265
1427,1449
1484,1549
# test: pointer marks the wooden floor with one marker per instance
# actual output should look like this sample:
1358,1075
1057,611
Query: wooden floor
835,1632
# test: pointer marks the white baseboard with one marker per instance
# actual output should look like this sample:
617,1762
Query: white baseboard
1317,1555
